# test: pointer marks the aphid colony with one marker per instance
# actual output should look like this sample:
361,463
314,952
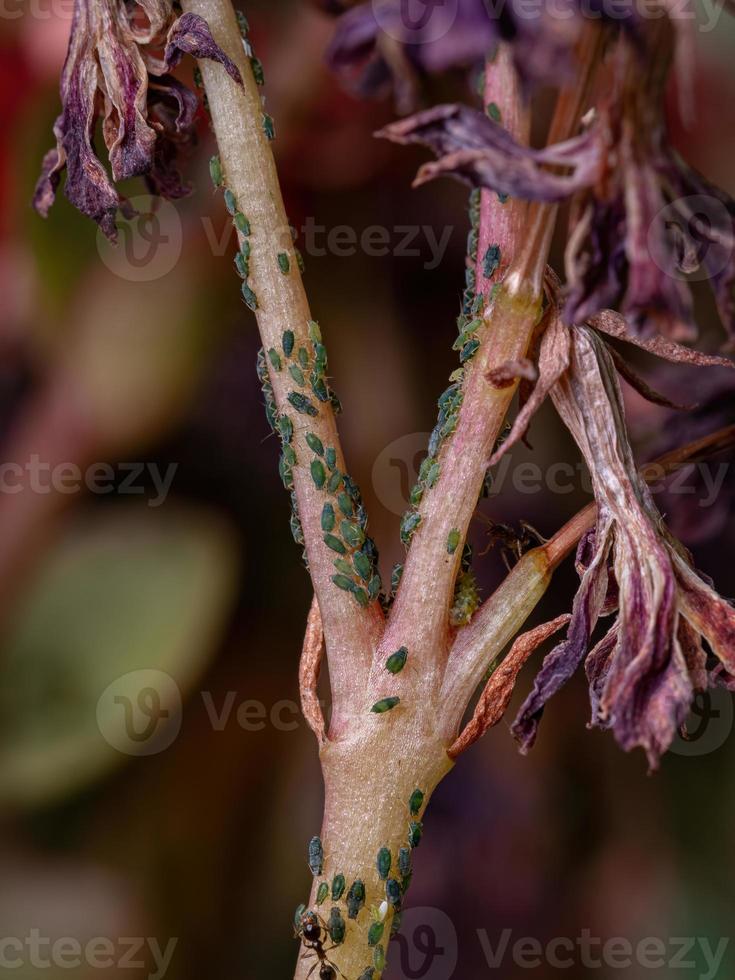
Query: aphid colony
315,931
257,69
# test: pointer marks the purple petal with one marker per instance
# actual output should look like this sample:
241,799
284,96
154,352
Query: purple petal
190,34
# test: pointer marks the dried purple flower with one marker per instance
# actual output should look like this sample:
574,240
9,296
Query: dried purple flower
644,673
478,151
649,220
106,74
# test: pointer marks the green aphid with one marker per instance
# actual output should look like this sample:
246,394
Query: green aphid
316,856
361,596
343,566
393,893
283,263
289,454
230,201
466,599
314,443
242,224
285,472
363,565
287,342
491,262
367,974
375,933
320,356
242,22
433,475
493,112
343,582
297,374
251,300
416,495
285,428
301,403
245,248
297,530
215,171
318,473
300,909
321,893
333,542
331,457
379,958
335,481
319,387
269,127
415,802
404,861
274,358
374,586
300,261
315,332
258,74
415,831
395,576
469,350
198,80
355,898
344,503
336,403
328,518
385,704
395,926
242,265
397,661
338,887
303,356
452,541
409,525
336,926
354,536
383,863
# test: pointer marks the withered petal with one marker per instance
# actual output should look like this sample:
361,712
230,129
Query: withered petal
190,34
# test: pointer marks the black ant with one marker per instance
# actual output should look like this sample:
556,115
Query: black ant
513,543
311,932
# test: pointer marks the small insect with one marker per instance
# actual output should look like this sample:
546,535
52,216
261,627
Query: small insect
318,473
338,887
242,265
363,566
379,958
257,66
355,898
314,443
242,224
513,542
385,704
367,974
404,861
493,112
415,832
383,863
409,525
331,457
251,300
469,350
336,926
311,930
333,542
452,541
322,893
301,403
283,263
230,201
343,582
287,342
274,358
393,892
215,171
397,661
269,127
328,518
416,801
375,933
354,536
335,481
316,856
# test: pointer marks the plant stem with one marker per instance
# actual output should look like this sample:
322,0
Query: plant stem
250,174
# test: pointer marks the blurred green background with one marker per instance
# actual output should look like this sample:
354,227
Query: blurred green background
170,593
